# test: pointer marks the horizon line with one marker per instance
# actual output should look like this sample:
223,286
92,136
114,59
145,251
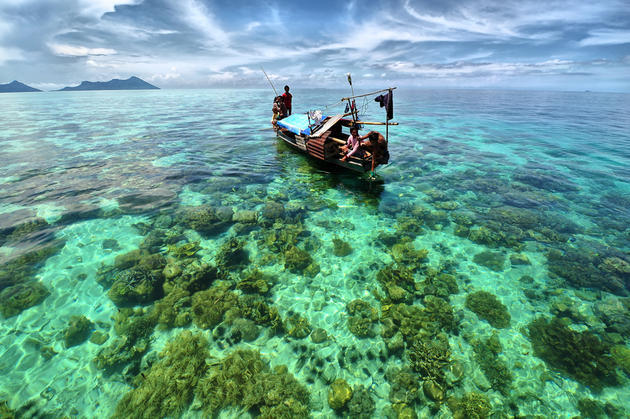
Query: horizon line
413,88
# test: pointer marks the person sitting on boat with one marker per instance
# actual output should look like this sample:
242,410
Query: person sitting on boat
353,145
376,144
286,98
278,110
283,108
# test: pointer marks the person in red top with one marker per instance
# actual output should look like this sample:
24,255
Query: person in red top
287,97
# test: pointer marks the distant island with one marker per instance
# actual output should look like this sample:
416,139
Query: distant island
132,83
16,86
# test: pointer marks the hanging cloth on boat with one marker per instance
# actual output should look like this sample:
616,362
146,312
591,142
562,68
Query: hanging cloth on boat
387,101
350,106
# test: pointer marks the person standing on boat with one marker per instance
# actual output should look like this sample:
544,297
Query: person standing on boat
352,145
287,98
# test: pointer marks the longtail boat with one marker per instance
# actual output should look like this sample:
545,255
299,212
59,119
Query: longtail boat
321,137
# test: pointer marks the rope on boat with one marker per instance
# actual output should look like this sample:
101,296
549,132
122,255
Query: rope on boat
334,104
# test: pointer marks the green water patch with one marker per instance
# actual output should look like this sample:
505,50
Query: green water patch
244,380
595,266
17,298
168,387
495,369
168,161
19,289
489,308
581,355
491,260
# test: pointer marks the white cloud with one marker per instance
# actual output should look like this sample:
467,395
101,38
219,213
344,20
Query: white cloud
472,56
198,17
78,51
131,32
97,8
271,24
565,11
247,71
365,39
10,54
252,25
46,86
15,3
606,37
468,69
512,18
171,75
465,22
96,63
222,77
5,27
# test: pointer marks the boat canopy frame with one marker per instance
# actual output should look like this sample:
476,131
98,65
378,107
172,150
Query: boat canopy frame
327,125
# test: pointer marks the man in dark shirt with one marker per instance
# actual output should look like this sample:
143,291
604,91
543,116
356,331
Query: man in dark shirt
287,97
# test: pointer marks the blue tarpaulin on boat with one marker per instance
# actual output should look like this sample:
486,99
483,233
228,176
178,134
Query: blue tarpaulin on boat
297,123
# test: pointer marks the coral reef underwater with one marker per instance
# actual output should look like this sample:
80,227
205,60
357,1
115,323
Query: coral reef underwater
486,274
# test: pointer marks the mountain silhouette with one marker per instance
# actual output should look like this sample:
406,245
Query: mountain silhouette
16,86
132,83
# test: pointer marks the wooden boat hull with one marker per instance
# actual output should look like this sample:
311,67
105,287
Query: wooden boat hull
320,148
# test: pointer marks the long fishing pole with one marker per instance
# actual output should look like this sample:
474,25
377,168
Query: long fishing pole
269,80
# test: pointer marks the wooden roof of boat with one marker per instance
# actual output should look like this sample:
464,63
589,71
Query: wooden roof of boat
327,125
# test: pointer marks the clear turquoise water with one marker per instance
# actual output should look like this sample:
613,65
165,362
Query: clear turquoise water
550,170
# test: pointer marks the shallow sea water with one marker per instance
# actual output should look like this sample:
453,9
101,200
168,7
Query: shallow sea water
86,177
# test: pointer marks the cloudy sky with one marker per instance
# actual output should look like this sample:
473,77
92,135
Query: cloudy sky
516,44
